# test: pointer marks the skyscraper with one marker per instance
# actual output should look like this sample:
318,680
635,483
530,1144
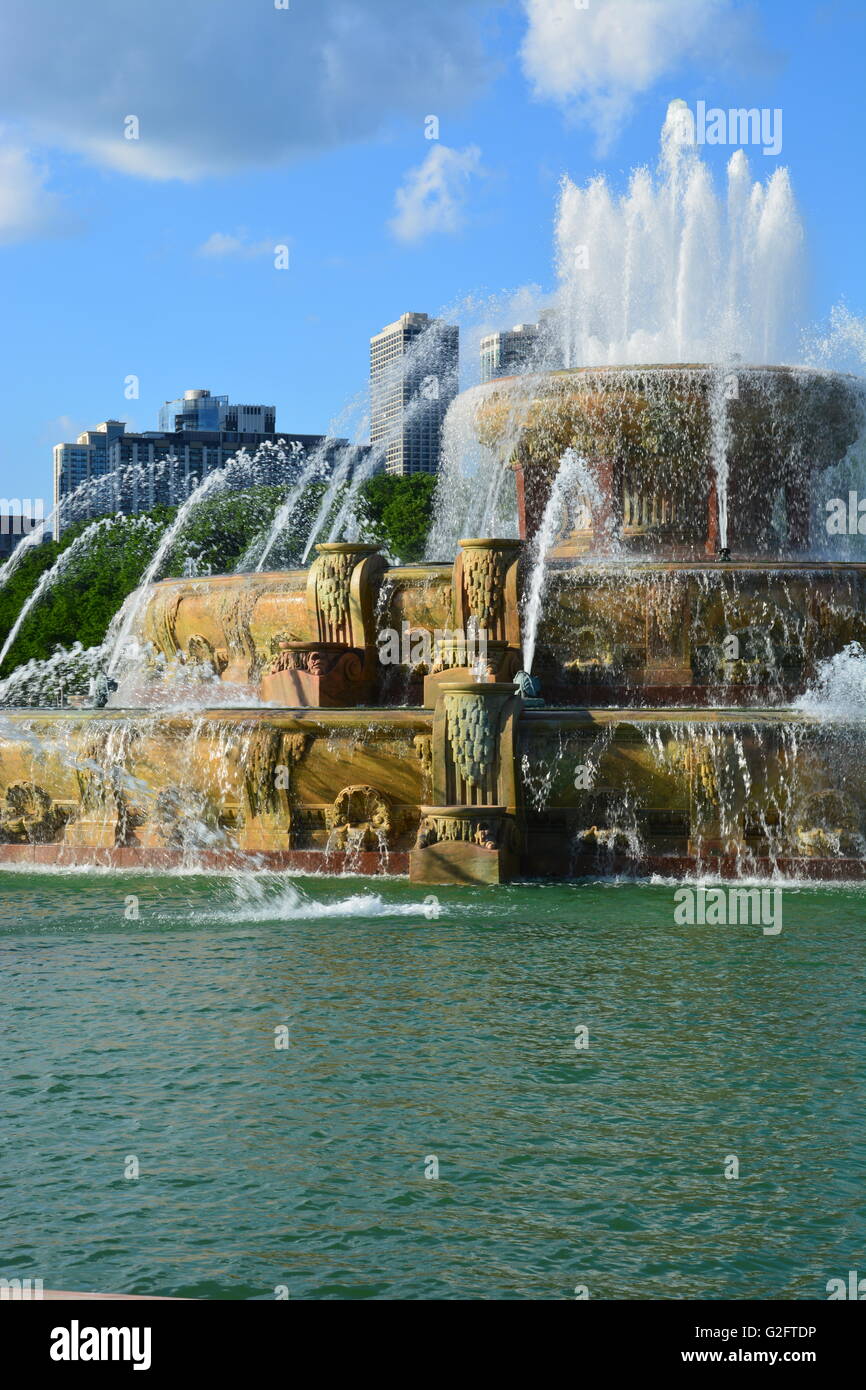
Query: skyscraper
199,410
413,380
85,460
130,473
505,354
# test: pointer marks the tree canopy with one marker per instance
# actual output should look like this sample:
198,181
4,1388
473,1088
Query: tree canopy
222,532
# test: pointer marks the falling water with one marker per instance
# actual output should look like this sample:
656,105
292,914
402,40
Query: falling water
475,493
67,505
132,609
30,539
573,482
61,564
669,271
838,693
98,495
353,470
42,682
427,372
346,471
313,469
719,439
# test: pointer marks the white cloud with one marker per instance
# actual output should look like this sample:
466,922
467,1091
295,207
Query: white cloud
433,195
232,84
221,244
596,61
27,208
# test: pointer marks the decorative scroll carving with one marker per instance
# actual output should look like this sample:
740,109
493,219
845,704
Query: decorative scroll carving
446,828
449,654
288,658
318,675
201,652
162,620
317,658
278,644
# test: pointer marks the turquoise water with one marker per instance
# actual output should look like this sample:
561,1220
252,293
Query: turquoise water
412,1036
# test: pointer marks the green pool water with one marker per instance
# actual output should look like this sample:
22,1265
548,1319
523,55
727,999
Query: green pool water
411,1036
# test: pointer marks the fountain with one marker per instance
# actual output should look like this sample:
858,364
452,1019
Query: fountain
671,679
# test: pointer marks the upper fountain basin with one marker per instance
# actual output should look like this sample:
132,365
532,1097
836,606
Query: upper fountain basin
678,457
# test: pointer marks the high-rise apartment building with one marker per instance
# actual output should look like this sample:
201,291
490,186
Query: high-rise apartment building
130,473
199,410
85,460
414,366
505,354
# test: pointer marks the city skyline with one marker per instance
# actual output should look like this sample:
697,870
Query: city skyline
266,259
200,431
110,469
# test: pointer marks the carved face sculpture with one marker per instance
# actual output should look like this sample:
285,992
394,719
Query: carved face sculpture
317,664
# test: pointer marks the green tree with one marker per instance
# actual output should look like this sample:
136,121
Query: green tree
223,531
397,512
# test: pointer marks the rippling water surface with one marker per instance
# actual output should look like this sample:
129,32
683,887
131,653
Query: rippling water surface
413,1035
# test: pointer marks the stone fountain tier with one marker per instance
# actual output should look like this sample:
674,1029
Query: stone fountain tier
304,638
611,633
275,635
688,633
653,438
325,790
556,793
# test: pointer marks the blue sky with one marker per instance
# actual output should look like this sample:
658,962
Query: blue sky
261,126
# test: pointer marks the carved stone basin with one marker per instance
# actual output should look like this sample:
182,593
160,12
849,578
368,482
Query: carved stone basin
653,439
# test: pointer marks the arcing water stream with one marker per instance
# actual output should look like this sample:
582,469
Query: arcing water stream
61,564
573,480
